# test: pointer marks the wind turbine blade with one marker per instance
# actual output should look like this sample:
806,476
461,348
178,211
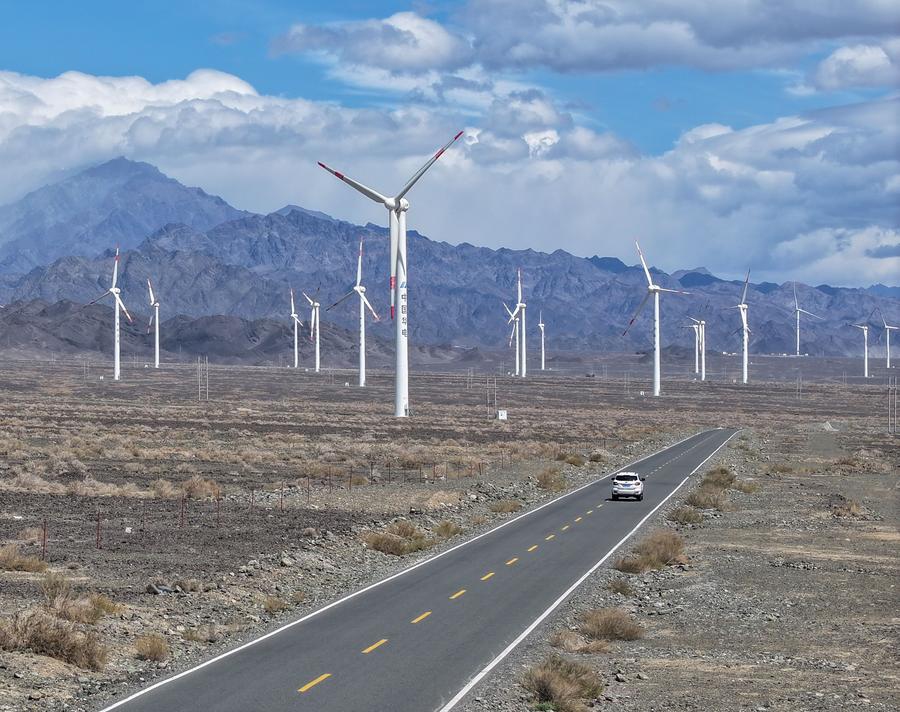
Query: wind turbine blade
115,268
311,302
359,265
696,321
512,335
519,284
507,309
122,305
342,299
106,293
412,181
150,288
364,189
673,291
803,311
644,264
796,303
637,311
514,315
293,308
151,322
371,309
744,293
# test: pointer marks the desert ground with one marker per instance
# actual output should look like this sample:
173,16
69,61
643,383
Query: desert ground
144,529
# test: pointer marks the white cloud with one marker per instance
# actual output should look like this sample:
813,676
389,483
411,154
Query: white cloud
859,66
812,195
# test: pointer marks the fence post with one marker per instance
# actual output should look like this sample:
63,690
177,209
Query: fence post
281,497
99,540
218,499
44,541
181,515
307,489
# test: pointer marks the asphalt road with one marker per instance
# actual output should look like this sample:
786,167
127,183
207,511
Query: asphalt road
420,639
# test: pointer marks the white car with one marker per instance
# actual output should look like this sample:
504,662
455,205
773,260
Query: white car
628,484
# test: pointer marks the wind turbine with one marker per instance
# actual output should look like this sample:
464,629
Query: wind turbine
696,328
154,319
514,334
865,331
519,316
397,208
541,327
314,322
887,335
745,329
114,290
359,289
296,321
652,290
700,327
798,311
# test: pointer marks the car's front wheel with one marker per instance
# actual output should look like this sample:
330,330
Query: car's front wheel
640,498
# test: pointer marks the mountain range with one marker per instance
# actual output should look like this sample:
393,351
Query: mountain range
209,259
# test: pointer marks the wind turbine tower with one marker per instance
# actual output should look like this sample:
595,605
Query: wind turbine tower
653,290
519,316
115,291
887,336
154,319
541,327
745,330
514,334
798,311
397,207
865,330
359,289
314,322
296,321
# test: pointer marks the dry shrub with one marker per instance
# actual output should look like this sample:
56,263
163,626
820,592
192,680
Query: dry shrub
401,537
745,486
848,508
708,498
201,488
274,605
163,489
659,549
562,683
685,515
44,635
782,468
571,642
551,479
597,457
403,528
188,585
12,560
620,586
359,480
574,459
446,529
55,586
30,535
720,477
29,482
151,647
609,624
506,506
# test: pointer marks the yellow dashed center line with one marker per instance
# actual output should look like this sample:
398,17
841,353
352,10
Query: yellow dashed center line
487,576
418,619
565,527
577,519
512,561
375,645
458,594
532,548
548,538
315,682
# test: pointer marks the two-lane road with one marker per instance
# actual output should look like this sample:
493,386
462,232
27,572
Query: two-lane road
419,640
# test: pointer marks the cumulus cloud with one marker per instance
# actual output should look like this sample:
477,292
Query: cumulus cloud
596,35
859,66
812,196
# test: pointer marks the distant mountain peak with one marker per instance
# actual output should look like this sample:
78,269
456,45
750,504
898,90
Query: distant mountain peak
121,167
288,209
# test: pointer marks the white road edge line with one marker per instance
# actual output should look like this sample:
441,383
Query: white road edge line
316,612
553,606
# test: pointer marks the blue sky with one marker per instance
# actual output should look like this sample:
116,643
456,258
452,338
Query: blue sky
722,134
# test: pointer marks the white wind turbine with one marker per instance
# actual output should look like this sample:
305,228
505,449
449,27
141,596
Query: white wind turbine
154,319
865,330
295,319
541,327
518,315
696,328
397,207
314,322
514,334
887,336
798,311
652,290
745,329
359,289
700,344
114,290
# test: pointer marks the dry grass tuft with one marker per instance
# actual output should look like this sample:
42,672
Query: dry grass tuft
551,479
200,488
506,506
12,560
562,683
44,635
609,624
719,477
685,515
446,529
401,537
152,647
655,551
745,486
706,497
163,489
848,508
274,605
621,587
572,642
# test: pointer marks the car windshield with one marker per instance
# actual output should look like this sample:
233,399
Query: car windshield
626,478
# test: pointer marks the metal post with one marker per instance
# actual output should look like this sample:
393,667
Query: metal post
44,541
99,539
